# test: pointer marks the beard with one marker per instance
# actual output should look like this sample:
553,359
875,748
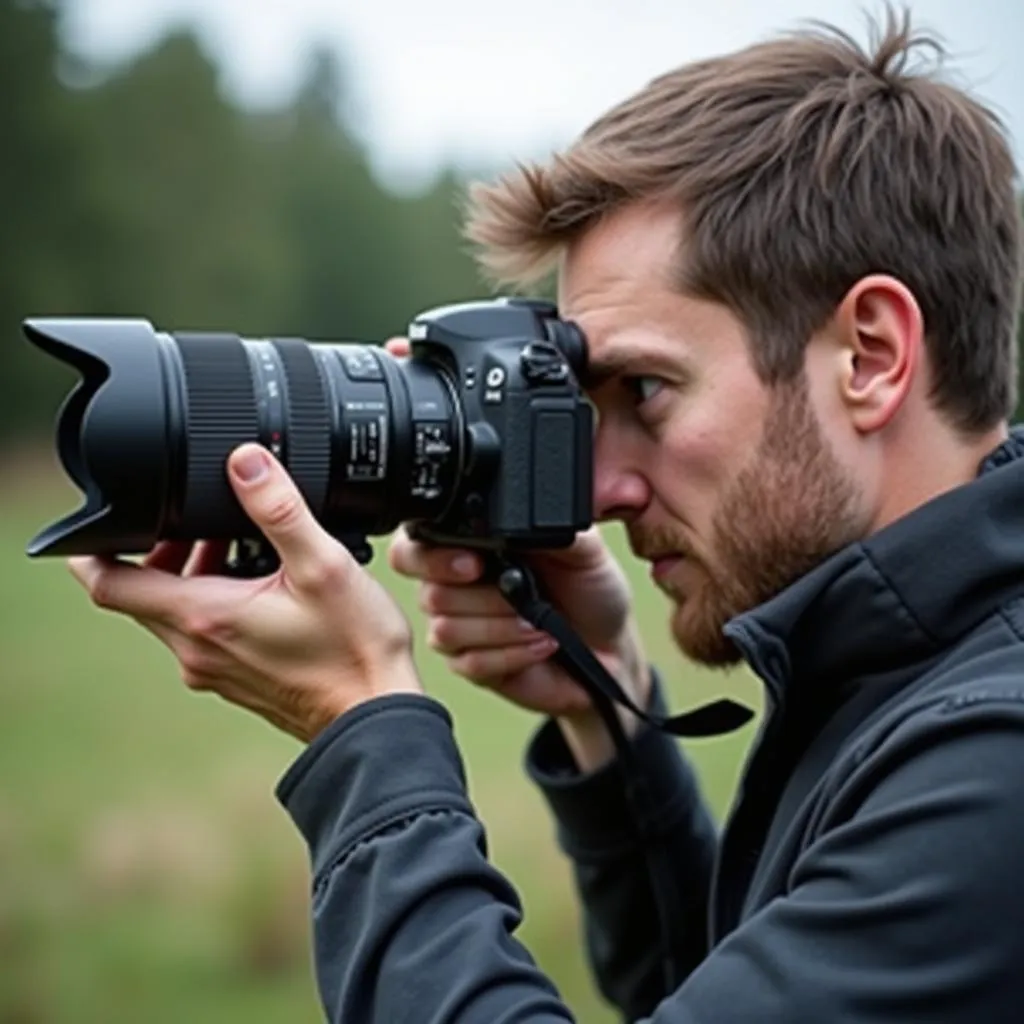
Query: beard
788,508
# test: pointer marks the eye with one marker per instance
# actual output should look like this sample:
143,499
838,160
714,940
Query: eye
643,387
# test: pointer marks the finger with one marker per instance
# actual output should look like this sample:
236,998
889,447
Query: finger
489,667
398,346
438,565
194,662
309,556
587,551
164,633
532,688
135,590
169,556
474,600
208,558
453,636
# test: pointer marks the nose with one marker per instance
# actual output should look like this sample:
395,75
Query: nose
621,490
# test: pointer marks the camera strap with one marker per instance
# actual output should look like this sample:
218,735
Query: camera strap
519,587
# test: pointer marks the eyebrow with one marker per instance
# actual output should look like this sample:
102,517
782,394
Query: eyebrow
602,370
613,363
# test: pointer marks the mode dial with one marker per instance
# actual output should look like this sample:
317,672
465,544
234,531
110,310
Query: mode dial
542,362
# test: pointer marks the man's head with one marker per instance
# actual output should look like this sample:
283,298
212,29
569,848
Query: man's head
798,270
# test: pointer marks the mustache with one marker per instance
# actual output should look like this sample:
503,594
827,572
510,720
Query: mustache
651,545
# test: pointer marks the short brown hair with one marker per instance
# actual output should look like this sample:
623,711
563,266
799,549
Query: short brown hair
800,165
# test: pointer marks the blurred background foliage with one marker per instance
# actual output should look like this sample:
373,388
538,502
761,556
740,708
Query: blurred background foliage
146,873
142,190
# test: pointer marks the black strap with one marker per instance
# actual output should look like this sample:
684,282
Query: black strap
519,588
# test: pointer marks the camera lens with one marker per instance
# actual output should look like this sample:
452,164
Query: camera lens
370,440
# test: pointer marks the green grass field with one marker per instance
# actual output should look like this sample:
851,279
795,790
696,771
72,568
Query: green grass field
147,872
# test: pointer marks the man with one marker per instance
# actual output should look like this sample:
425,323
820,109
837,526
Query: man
798,271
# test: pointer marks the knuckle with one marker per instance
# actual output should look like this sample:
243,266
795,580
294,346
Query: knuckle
467,666
192,659
196,681
101,592
431,598
204,624
444,633
398,554
283,512
191,680
477,666
195,663
326,572
434,641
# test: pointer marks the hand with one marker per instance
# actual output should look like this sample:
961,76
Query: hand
484,640
300,647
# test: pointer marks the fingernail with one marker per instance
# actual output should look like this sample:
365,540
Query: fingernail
251,465
543,645
464,565
526,627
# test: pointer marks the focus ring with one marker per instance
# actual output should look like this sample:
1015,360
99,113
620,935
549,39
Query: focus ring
308,444
221,406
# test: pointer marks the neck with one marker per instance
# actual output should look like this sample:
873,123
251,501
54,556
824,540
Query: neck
925,467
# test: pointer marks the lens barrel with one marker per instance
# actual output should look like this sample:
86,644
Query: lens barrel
369,440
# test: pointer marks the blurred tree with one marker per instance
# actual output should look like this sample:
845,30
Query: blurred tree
42,205
366,261
337,225
146,192
186,234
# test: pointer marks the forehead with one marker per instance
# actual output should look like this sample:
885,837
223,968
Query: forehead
620,282
617,282
630,255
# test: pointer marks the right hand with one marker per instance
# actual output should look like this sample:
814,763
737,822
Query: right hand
483,639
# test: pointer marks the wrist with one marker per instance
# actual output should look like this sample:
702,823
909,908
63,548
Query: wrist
402,679
585,733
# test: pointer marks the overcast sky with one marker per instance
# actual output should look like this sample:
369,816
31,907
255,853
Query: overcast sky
473,80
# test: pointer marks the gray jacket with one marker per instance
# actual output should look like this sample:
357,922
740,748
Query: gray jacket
868,871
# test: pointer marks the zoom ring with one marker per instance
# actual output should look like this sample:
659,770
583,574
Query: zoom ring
222,414
309,423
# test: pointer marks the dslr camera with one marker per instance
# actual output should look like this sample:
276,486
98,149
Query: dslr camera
481,438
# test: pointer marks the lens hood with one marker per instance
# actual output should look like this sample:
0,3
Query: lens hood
114,434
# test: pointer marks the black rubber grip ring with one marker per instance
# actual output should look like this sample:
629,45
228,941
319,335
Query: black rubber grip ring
221,409
308,447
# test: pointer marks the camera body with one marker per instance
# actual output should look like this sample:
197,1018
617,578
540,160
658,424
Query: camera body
482,437
527,471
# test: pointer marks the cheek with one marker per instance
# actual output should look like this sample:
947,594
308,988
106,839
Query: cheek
703,444
702,440
723,425
688,469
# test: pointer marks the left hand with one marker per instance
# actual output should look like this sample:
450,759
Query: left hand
300,647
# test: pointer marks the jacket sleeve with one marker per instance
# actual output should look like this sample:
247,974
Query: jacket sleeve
411,924
906,907
642,862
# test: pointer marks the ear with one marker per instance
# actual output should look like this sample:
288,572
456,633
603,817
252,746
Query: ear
881,333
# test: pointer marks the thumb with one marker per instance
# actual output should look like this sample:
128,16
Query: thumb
398,347
272,501
587,551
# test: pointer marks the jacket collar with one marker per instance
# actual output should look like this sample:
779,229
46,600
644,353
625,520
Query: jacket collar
901,595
